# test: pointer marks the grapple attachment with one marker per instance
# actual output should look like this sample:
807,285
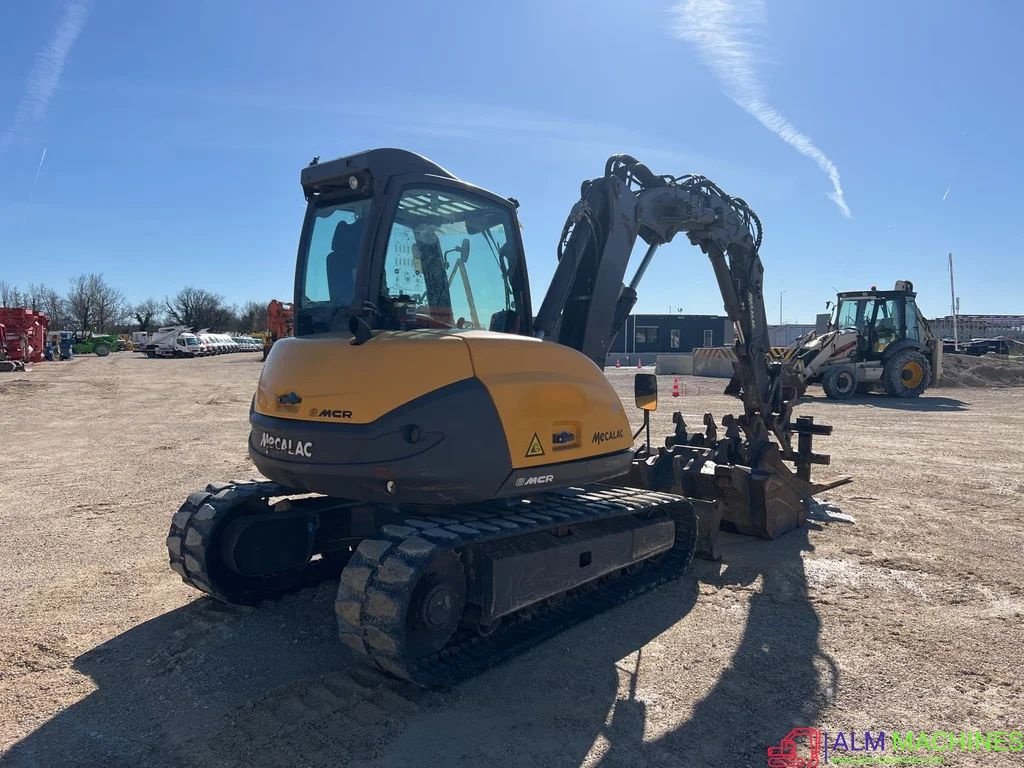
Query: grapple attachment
739,482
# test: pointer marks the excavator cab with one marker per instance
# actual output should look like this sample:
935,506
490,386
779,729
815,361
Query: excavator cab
401,244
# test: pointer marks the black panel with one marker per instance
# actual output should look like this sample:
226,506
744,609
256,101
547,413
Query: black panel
446,447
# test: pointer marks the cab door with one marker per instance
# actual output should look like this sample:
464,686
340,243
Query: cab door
886,326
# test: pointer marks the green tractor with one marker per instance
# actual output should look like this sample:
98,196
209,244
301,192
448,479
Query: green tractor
90,343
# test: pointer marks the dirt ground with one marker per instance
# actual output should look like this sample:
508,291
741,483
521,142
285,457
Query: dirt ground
909,620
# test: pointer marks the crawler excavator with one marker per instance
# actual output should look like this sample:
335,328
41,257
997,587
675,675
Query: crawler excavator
465,466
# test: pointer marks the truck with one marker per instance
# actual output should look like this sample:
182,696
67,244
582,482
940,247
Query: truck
172,341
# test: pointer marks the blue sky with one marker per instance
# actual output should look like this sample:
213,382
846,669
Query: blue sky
174,132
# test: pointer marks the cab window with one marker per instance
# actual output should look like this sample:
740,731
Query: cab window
447,263
332,253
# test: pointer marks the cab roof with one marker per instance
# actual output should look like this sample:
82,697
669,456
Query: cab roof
320,177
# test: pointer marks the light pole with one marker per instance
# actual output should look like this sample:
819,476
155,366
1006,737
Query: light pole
780,306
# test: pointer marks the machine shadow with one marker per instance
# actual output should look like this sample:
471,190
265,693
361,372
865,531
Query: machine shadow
209,684
170,680
924,403
778,678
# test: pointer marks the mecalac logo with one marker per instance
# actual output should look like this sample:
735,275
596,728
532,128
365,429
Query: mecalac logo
286,446
612,434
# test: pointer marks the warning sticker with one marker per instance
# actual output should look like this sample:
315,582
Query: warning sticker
535,449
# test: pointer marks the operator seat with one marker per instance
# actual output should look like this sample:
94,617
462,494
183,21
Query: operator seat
342,261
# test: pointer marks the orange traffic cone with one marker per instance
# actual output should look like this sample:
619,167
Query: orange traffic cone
617,363
639,363
675,387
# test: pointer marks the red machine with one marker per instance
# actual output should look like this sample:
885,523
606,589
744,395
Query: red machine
280,323
24,334
6,363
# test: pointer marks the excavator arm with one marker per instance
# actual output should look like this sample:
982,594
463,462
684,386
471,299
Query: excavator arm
587,302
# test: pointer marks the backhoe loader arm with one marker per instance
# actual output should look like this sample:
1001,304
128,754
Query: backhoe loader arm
587,302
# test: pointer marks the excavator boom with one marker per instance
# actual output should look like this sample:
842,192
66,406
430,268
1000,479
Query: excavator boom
631,202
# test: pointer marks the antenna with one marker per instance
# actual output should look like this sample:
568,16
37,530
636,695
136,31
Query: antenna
954,303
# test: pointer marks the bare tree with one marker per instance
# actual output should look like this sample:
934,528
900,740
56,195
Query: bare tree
55,307
111,307
40,298
81,303
93,304
147,313
253,316
199,308
10,296
34,297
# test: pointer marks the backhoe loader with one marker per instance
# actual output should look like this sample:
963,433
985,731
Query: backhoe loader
463,465
875,340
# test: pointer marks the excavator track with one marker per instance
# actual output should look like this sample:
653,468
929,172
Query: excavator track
380,579
192,545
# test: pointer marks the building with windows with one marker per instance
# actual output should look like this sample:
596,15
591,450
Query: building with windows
979,326
665,334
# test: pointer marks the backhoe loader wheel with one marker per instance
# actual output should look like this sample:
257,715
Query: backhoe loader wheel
907,374
102,350
839,383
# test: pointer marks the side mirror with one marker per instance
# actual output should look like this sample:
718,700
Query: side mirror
464,250
645,391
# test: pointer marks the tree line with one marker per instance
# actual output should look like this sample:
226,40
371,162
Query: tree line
93,304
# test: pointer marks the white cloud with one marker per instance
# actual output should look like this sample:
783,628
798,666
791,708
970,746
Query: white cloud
725,33
45,75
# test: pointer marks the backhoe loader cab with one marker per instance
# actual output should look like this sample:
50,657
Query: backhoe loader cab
881,318
874,339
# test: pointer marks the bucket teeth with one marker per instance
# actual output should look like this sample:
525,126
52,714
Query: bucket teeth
741,481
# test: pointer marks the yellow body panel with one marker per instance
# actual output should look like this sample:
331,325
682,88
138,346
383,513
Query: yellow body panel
368,380
546,389
554,404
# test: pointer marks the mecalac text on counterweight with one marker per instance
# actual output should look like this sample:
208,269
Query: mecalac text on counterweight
286,445
612,434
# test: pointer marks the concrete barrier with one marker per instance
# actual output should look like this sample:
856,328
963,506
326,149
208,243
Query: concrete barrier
681,364
713,361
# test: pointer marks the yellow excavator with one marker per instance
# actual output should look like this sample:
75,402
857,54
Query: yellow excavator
465,465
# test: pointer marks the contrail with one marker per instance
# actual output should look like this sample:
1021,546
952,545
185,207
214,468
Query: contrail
950,185
32,189
722,31
45,75
40,168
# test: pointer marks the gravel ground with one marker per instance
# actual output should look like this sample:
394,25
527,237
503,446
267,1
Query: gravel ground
909,620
